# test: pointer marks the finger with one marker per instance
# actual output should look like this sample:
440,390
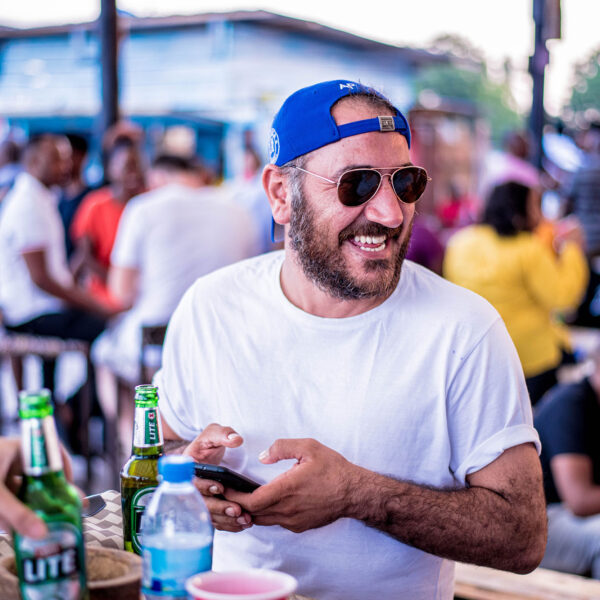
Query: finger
285,449
67,464
228,516
20,518
208,487
223,436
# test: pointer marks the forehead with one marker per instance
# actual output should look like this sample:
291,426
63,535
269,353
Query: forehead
375,148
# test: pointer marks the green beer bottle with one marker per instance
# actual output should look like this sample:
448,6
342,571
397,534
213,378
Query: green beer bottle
52,567
139,475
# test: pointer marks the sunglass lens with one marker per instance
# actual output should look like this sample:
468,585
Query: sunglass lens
356,187
409,184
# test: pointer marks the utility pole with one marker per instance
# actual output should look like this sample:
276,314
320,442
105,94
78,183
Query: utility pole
110,85
547,18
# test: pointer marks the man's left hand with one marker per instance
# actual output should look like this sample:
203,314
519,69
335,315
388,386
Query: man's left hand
313,493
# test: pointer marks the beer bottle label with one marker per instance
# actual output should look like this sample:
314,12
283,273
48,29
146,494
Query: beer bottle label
139,501
52,567
147,428
41,450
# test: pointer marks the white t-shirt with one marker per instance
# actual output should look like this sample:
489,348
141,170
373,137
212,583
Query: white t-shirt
29,221
425,387
171,236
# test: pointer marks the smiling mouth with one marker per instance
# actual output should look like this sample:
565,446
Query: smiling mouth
369,243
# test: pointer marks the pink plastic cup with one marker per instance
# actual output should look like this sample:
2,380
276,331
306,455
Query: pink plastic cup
250,584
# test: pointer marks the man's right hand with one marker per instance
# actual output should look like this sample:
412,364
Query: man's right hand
209,447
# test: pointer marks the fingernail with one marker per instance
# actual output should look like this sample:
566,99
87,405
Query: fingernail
37,530
213,489
242,520
230,511
233,435
264,454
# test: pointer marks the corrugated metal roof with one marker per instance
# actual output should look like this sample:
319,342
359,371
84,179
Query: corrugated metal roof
260,17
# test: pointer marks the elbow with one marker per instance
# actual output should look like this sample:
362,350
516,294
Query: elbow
530,555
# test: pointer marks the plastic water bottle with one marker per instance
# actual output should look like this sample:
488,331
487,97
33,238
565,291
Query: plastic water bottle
176,532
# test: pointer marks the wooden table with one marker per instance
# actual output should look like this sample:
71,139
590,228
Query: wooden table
482,583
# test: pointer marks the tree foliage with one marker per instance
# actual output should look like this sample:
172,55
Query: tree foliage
584,104
465,81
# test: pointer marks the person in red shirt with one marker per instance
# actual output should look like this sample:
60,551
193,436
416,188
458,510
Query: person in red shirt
95,224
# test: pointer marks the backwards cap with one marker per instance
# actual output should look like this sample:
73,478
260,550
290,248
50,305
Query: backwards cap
304,121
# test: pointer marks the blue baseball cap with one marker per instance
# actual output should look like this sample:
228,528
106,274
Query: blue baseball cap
304,121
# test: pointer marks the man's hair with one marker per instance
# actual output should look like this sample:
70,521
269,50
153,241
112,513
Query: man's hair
78,143
506,209
173,163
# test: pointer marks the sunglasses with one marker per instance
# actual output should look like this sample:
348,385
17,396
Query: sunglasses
357,186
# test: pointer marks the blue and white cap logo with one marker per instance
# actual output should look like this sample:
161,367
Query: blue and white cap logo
273,147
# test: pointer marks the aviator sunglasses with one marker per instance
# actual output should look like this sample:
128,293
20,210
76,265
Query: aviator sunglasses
357,186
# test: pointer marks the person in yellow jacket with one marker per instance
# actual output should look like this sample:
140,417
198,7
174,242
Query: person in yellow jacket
528,281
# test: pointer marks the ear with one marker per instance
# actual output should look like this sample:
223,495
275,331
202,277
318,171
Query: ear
276,189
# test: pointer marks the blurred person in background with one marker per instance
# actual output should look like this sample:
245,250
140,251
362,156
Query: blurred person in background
10,166
38,295
95,223
522,277
74,189
167,238
425,246
568,421
583,193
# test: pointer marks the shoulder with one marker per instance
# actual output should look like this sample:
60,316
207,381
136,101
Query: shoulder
245,279
425,290
561,401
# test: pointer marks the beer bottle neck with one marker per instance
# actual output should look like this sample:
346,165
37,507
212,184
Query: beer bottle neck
147,431
40,446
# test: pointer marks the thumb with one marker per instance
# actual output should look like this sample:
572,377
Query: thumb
284,449
20,518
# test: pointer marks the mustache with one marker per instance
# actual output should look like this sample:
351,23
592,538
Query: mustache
371,229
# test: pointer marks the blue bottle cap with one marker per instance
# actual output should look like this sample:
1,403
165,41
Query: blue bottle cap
176,468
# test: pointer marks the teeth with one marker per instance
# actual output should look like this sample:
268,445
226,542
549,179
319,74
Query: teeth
376,249
368,239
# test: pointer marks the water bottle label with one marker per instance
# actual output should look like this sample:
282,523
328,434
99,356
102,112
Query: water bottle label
52,567
166,569
139,501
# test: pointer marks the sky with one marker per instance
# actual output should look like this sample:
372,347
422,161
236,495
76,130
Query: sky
499,28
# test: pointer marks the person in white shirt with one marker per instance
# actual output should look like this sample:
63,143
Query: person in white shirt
167,238
383,409
38,295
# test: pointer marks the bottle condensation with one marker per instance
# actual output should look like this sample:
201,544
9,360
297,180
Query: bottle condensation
52,567
139,475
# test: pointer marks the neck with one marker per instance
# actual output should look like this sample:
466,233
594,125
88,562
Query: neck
306,295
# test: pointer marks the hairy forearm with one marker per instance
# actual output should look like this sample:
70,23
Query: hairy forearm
175,446
475,525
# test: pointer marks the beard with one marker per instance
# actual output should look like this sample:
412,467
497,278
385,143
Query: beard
326,266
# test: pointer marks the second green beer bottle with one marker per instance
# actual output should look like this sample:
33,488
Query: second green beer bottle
139,475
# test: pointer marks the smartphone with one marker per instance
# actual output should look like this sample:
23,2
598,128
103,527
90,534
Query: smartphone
229,478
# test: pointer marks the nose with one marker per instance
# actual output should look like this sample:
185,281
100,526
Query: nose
385,208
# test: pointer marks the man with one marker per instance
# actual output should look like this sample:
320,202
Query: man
583,194
38,295
384,408
167,238
568,420
74,189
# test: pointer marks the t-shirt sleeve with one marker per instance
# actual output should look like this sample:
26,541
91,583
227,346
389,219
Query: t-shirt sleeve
131,233
33,233
175,378
489,409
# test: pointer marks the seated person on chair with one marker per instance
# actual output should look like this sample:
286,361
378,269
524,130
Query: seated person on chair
568,421
167,238
38,295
